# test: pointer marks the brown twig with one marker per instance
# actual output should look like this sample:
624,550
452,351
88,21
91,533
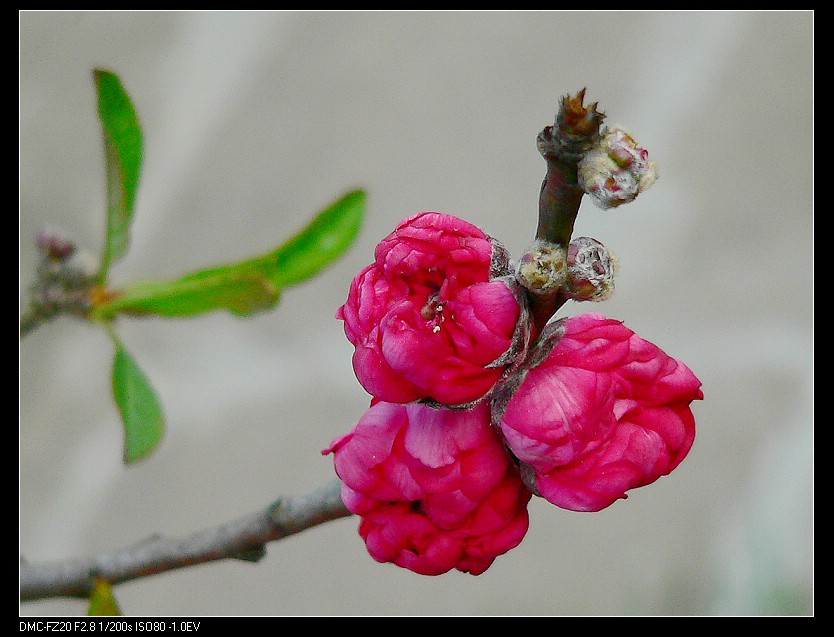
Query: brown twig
244,538
563,145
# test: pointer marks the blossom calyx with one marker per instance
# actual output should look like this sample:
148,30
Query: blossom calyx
437,316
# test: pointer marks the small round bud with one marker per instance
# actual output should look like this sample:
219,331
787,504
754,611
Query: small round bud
616,170
591,270
54,244
543,268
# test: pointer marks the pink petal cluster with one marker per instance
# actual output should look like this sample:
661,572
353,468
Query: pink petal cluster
467,422
604,412
429,318
434,487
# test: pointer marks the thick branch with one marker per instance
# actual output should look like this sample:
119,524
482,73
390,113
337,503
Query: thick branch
243,538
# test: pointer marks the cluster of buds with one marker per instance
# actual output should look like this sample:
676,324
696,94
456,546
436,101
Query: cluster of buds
584,271
65,276
481,399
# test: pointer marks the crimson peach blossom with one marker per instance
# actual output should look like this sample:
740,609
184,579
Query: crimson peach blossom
606,411
435,488
436,316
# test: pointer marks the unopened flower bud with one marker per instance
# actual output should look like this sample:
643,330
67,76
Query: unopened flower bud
54,244
543,268
616,170
591,270
62,265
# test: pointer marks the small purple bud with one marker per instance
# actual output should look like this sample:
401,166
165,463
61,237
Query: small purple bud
54,244
591,270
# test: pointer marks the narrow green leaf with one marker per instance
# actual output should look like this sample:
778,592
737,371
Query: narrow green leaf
323,241
138,404
240,291
123,157
102,601
251,285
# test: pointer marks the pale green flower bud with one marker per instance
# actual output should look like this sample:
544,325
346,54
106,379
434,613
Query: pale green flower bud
543,268
616,170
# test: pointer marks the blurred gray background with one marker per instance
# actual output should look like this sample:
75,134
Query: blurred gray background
255,121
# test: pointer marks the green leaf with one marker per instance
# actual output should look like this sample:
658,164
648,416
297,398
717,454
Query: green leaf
138,405
323,241
123,156
252,285
235,289
102,600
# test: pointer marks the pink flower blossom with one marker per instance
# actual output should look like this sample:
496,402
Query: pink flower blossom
435,488
435,317
604,412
